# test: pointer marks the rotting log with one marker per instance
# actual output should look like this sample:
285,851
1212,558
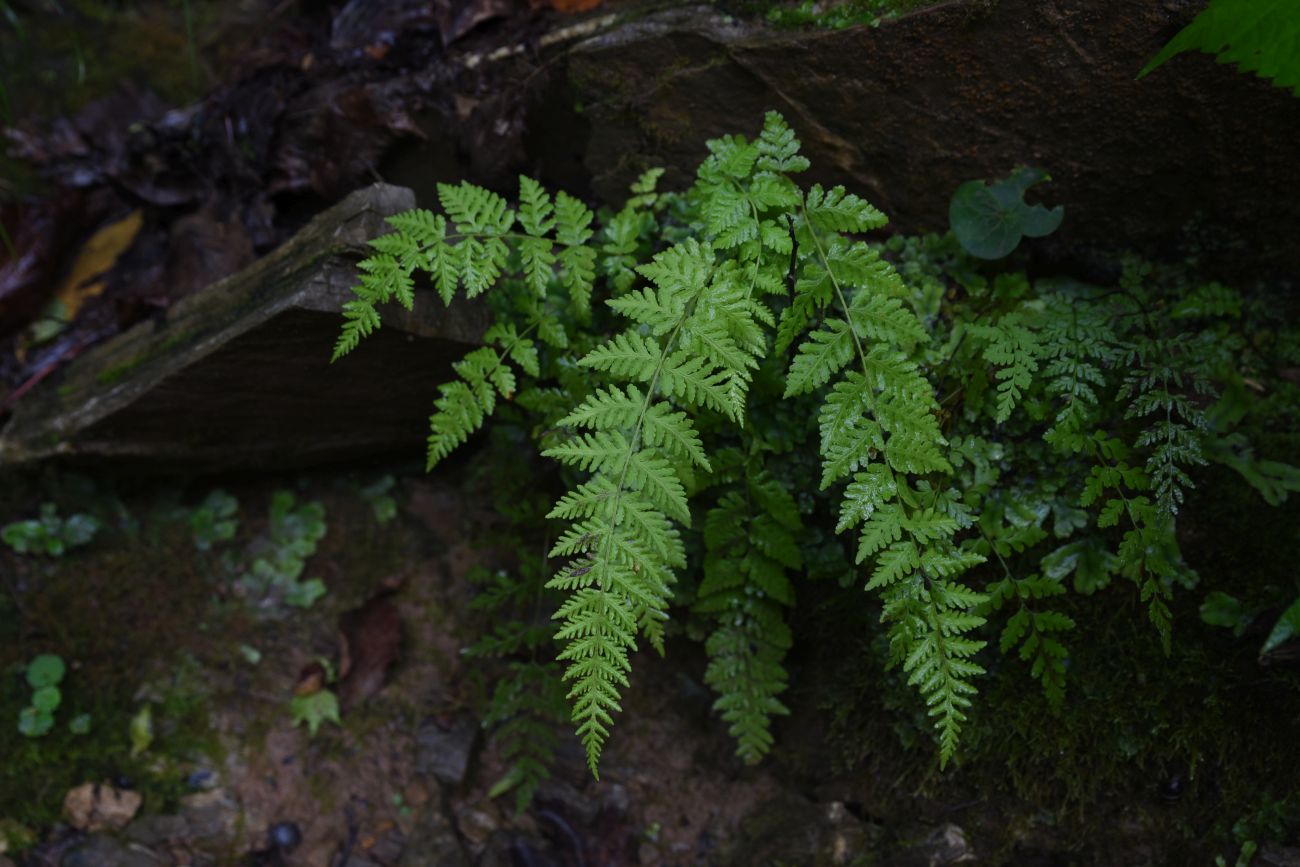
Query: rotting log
238,375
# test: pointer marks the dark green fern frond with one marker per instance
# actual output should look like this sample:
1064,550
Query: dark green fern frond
1014,347
751,539
1079,343
1033,631
1164,388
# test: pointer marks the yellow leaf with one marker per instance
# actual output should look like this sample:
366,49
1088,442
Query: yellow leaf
97,255
83,281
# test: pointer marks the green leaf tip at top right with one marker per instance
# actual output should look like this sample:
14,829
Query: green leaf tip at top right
1259,36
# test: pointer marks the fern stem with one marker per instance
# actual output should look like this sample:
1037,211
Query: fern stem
839,293
636,434
1006,570
505,350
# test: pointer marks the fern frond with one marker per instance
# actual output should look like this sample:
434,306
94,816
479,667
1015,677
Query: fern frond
745,587
837,210
474,251
690,378
360,319
628,355
474,210
824,354
1014,347
879,425
778,149
930,621
1033,631
577,260
623,543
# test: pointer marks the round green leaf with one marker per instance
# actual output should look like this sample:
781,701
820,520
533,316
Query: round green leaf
982,226
80,724
47,699
989,220
33,723
45,670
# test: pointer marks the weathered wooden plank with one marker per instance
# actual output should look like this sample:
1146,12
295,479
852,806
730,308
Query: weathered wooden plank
238,375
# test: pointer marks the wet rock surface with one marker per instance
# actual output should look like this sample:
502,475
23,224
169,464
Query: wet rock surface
434,843
1273,855
904,112
99,850
943,845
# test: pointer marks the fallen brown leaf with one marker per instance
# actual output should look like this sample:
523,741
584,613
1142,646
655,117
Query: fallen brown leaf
371,642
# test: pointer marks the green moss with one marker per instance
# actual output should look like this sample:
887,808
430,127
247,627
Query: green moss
827,14
111,375
98,609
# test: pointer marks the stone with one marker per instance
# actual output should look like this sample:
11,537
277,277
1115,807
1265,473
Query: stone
476,824
433,843
566,799
444,750
942,846
1273,855
156,829
212,818
512,848
616,800
96,807
99,850
238,374
793,829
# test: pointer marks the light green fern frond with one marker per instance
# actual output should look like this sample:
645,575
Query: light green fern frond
472,248
622,544
1259,36
879,427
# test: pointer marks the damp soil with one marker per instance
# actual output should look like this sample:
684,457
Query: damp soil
1138,773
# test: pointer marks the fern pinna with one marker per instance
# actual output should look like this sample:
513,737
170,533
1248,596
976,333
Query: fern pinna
543,242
